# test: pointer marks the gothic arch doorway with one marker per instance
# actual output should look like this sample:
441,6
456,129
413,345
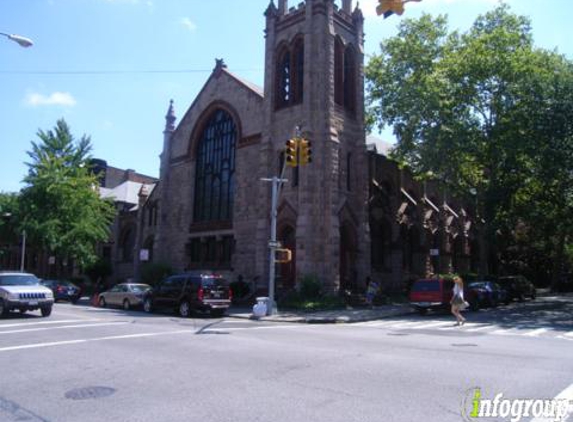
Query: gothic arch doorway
348,253
287,271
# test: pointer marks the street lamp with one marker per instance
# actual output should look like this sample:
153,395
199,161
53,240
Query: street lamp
22,41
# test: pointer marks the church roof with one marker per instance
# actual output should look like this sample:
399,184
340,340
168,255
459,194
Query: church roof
250,85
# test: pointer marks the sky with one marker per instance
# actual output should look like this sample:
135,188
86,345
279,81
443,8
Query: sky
110,67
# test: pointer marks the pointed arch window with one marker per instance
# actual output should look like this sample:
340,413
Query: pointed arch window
289,83
215,171
283,79
345,75
350,79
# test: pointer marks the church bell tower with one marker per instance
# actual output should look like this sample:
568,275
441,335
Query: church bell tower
314,80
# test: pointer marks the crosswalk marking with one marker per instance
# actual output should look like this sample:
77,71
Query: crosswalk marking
536,333
469,327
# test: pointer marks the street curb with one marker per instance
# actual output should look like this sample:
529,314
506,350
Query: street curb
323,320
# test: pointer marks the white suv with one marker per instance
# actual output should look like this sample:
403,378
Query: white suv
23,291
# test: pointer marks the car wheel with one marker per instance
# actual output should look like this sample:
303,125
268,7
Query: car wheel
185,309
102,303
3,310
126,304
147,305
46,311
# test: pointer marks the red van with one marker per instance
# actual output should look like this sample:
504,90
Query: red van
436,293
431,293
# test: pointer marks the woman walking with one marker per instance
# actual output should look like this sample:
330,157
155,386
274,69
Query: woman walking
458,303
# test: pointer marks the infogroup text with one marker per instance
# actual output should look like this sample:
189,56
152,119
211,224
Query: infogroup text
475,406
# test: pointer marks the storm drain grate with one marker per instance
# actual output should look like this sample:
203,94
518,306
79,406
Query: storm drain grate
87,393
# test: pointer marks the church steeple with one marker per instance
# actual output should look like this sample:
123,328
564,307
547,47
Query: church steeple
170,118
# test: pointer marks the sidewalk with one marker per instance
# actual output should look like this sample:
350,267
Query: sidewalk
338,316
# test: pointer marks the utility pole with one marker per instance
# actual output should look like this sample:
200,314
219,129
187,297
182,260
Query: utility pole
298,152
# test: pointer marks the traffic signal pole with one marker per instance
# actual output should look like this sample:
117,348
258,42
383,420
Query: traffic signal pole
277,183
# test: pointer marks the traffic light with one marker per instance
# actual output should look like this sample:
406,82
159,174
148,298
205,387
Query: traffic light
291,152
283,255
389,7
305,156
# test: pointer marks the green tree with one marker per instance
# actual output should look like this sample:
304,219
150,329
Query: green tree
478,109
61,209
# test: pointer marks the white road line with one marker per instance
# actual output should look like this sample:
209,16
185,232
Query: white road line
434,324
68,342
27,330
62,321
536,333
566,394
472,328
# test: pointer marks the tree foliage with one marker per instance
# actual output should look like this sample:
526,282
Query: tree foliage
487,112
61,209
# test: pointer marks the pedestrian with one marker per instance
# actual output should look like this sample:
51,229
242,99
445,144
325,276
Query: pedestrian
371,290
458,302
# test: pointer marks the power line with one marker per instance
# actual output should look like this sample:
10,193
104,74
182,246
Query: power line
113,72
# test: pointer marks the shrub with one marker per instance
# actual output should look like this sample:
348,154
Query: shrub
309,287
240,289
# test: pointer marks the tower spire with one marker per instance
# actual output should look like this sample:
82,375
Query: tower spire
170,118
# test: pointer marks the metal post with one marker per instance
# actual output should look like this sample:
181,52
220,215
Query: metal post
23,257
273,243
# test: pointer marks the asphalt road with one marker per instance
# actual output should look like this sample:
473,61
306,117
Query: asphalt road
89,364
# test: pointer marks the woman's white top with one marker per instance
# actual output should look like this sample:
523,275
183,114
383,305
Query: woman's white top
458,290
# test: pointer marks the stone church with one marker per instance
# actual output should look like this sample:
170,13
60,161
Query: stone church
348,215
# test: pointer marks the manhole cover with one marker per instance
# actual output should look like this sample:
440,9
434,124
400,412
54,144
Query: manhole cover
464,345
87,393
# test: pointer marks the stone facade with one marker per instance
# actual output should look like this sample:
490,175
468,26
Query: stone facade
348,215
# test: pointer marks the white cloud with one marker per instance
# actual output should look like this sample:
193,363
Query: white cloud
189,24
35,99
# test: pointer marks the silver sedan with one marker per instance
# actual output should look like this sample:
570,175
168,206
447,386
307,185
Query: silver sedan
126,295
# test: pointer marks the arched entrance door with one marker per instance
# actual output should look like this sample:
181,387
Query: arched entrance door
348,251
287,271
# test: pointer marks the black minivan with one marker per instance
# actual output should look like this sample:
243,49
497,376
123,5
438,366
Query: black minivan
190,292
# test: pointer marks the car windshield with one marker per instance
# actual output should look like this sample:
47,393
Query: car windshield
426,286
211,282
139,287
18,280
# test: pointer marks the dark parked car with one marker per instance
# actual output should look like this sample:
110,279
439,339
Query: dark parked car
518,287
487,293
63,290
190,292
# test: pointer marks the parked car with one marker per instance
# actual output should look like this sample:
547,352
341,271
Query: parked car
63,290
190,292
487,293
23,292
518,287
436,293
126,295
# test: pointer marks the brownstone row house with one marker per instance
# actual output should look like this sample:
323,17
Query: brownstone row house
350,214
